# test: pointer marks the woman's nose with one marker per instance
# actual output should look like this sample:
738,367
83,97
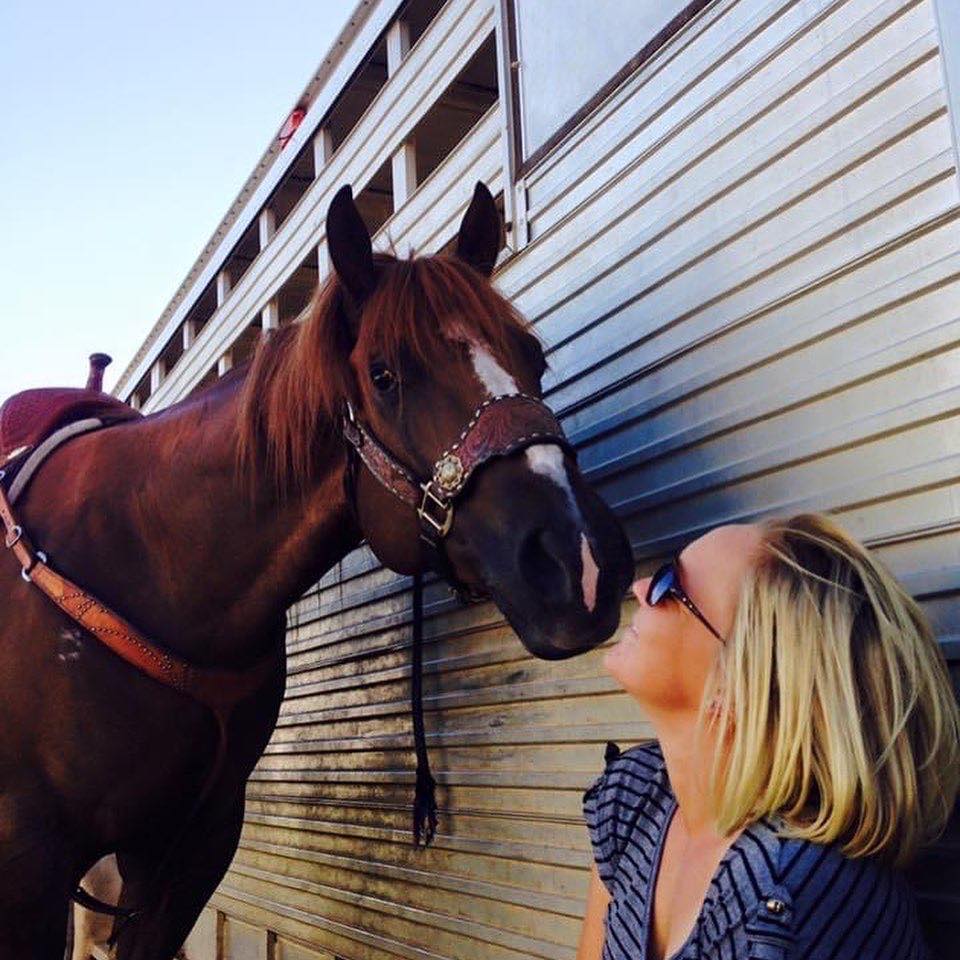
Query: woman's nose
639,589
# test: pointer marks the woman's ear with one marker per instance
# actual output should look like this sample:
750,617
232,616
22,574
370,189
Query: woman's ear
481,232
351,252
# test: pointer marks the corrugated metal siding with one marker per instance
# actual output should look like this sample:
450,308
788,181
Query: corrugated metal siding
748,265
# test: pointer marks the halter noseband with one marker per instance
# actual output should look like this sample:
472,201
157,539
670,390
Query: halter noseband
499,426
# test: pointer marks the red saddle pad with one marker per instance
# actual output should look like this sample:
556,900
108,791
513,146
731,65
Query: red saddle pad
28,417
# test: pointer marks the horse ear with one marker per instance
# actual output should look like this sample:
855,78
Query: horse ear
481,232
348,242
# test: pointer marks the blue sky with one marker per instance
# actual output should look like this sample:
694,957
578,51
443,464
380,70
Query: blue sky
127,129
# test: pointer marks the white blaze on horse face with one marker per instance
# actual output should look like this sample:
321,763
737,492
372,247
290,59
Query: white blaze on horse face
547,460
494,378
543,458
591,573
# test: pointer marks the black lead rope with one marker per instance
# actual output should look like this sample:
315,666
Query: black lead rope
425,799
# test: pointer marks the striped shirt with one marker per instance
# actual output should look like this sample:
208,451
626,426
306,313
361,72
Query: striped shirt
771,897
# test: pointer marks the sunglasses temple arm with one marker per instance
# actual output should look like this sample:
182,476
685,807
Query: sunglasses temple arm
692,607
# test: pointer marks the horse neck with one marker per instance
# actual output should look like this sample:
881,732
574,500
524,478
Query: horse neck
205,561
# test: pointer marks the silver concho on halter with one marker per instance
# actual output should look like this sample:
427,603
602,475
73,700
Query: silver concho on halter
436,507
448,473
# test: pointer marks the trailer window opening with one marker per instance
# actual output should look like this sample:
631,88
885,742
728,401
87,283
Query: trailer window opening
457,110
571,56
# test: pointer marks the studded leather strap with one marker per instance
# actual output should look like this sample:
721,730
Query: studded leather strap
215,688
388,471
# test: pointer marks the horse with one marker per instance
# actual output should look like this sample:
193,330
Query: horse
202,523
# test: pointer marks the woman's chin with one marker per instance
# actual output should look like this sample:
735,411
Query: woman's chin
616,660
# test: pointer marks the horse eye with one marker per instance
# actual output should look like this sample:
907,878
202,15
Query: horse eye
383,378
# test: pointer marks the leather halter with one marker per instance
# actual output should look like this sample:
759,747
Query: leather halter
499,426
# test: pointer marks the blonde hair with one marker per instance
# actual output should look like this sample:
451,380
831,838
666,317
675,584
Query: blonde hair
832,701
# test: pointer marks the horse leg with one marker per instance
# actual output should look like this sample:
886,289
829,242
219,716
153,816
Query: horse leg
36,931
203,857
38,865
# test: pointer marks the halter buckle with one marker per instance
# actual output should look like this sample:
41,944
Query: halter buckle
440,526
13,537
351,426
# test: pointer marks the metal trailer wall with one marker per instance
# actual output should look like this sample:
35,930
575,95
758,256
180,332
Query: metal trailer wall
747,264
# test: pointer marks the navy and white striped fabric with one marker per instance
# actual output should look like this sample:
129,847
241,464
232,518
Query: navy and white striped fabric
771,898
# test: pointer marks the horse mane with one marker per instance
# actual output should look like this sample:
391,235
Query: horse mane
300,377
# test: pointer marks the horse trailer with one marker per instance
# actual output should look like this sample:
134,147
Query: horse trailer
735,225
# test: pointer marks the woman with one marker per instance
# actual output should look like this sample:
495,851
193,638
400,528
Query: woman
807,744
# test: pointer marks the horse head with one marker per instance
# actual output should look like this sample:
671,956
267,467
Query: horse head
414,350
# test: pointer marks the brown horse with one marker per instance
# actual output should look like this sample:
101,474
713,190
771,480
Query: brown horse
202,523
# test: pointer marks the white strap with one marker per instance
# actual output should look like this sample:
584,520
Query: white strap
32,464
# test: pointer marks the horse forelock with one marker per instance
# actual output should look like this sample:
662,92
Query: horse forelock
300,377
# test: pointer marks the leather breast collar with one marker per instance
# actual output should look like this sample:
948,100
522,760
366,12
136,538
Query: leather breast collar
215,688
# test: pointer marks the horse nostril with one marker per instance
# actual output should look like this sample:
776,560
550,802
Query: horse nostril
541,566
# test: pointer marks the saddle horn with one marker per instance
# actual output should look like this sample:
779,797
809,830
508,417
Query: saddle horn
98,363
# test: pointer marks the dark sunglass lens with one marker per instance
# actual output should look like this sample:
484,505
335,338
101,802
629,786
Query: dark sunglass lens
660,584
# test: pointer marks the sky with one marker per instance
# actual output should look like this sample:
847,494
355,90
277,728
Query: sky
126,131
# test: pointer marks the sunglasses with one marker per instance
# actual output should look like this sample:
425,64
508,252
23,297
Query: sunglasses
666,583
